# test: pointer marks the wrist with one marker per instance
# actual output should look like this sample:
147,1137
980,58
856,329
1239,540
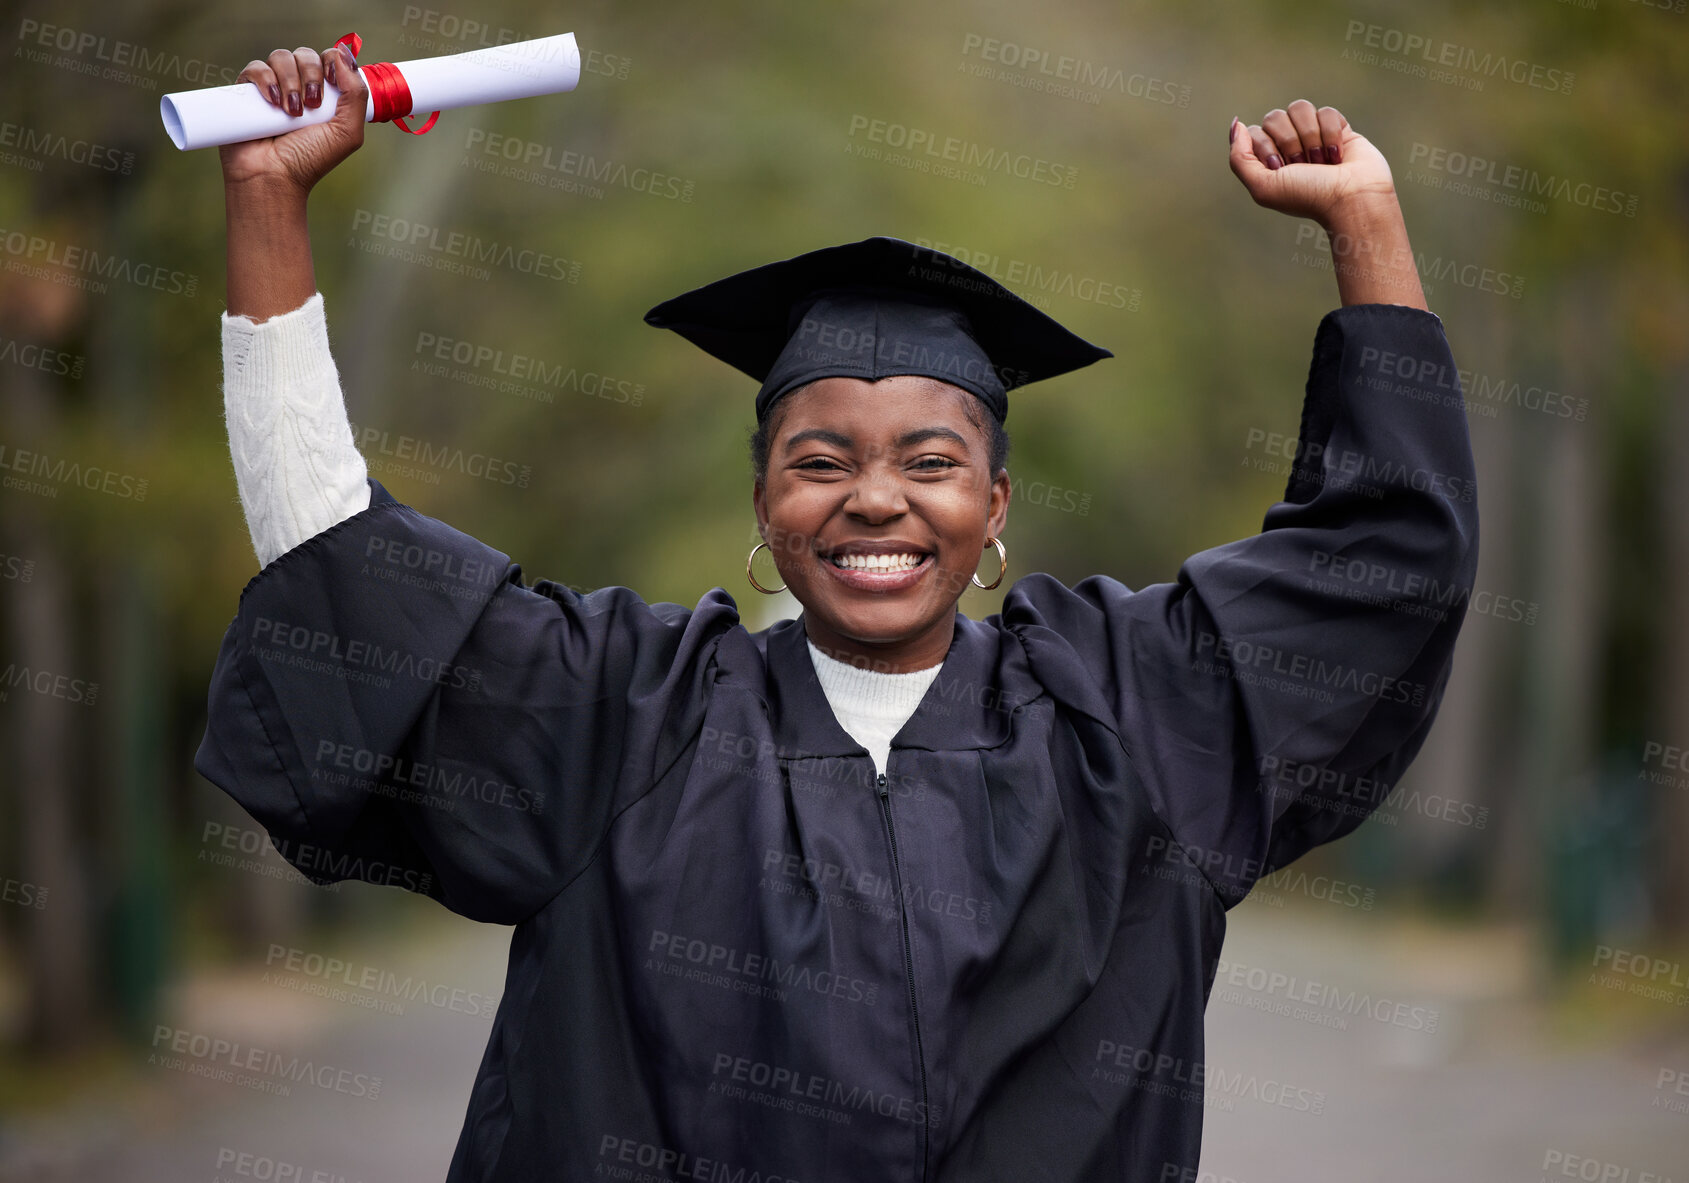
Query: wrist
265,195
1364,213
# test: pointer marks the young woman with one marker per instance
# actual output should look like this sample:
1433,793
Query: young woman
881,892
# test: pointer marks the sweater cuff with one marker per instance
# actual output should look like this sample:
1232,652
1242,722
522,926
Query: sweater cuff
282,353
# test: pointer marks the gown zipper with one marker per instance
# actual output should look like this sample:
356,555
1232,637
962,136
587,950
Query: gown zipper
908,966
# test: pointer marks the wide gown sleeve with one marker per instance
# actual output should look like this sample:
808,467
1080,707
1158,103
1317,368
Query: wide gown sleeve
394,705
1273,694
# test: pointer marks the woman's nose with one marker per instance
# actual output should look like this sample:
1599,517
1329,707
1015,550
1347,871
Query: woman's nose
876,495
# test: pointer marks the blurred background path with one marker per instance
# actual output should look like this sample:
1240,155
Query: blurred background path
1408,1053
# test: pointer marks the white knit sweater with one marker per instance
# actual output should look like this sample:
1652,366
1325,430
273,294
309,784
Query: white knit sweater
870,706
296,467
299,472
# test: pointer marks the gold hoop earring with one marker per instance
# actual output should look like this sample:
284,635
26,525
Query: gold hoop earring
1002,566
767,591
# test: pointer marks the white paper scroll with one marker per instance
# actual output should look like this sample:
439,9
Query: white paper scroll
519,70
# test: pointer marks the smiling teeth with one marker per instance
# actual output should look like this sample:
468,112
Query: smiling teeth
877,562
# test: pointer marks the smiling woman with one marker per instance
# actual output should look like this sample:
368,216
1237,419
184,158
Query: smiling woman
878,527
882,892
880,446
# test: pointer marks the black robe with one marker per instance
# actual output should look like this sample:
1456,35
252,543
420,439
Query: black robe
741,955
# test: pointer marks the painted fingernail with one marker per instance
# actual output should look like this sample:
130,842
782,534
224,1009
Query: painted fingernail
1231,132
1273,161
1332,155
294,106
313,93
1296,159
275,95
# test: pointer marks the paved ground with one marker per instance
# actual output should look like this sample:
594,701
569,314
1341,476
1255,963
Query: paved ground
1505,1088
169,1126
1383,1052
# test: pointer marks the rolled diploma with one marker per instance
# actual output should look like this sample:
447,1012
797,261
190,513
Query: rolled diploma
519,70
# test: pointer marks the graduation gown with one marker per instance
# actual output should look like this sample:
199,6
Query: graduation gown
740,954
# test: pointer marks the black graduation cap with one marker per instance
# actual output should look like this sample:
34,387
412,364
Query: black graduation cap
872,309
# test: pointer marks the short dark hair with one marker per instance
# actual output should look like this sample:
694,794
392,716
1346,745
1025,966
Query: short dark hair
997,436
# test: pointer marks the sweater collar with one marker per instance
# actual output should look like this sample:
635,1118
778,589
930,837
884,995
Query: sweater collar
963,707
870,693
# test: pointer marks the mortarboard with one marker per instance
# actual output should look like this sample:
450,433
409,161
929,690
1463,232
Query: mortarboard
872,309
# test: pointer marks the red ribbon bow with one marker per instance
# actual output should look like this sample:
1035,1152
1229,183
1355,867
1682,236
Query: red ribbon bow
389,93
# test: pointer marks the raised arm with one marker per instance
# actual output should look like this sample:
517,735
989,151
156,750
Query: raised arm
266,182
1354,201
1272,696
391,702
296,465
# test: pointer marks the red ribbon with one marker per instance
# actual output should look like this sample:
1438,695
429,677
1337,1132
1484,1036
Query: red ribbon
389,93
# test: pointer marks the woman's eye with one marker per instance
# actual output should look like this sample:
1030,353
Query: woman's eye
935,462
818,463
